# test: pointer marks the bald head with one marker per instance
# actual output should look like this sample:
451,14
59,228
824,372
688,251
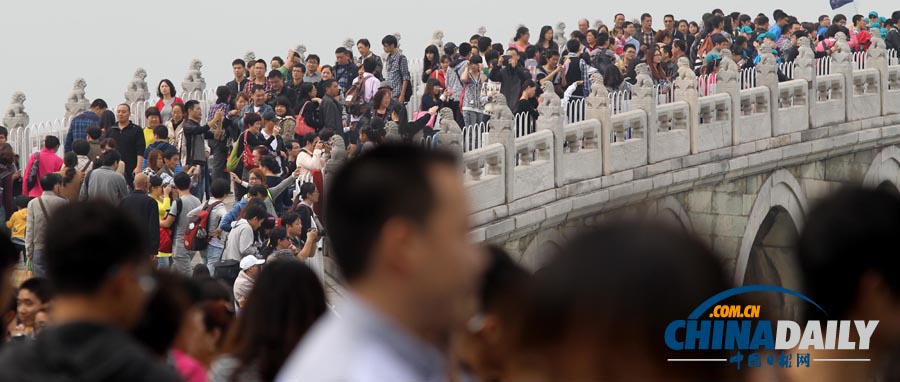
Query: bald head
583,25
141,182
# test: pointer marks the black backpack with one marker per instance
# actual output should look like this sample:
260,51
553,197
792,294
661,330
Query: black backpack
33,172
602,60
227,270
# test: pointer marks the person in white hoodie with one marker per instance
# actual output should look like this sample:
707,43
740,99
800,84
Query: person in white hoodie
241,241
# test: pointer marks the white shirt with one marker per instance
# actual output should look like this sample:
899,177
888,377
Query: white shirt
361,346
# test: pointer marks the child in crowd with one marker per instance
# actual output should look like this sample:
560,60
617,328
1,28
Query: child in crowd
16,222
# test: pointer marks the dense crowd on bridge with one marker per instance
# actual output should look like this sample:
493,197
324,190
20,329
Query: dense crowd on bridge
182,283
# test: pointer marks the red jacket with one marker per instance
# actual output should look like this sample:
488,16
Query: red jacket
160,105
48,162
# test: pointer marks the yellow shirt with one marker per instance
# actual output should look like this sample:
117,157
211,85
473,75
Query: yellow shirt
164,206
148,137
17,223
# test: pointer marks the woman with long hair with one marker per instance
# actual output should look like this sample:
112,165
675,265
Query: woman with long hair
520,42
431,62
166,93
286,122
72,177
308,102
434,95
545,43
154,162
379,108
107,120
285,301
528,103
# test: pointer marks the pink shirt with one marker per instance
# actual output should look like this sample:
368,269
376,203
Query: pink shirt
48,162
189,368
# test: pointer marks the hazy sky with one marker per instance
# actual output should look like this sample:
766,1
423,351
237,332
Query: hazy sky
104,41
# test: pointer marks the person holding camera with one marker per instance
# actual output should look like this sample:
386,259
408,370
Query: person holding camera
472,80
510,74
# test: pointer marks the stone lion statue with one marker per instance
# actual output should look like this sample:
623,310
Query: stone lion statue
437,39
77,94
349,44
642,75
15,113
805,49
137,83
878,47
549,97
559,35
598,88
338,149
842,51
597,24
684,70
728,69
482,30
77,103
499,109
193,74
448,124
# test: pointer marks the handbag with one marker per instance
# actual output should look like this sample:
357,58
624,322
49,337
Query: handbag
302,128
247,155
234,159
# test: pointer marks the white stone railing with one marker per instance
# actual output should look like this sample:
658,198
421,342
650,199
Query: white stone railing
534,170
865,101
748,78
580,158
829,106
891,99
623,151
755,118
793,107
706,84
859,60
672,138
485,176
574,110
714,128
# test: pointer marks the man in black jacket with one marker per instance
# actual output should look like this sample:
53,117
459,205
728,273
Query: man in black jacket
129,141
145,212
104,281
510,75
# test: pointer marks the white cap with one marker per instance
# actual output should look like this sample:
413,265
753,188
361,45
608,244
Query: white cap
249,261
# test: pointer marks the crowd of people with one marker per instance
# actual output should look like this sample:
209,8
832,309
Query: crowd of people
139,265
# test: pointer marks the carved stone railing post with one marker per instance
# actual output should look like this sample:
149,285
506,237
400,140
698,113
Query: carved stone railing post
842,63
643,97
596,106
552,119
500,131
77,103
686,90
876,58
15,116
194,84
450,136
805,63
766,75
727,83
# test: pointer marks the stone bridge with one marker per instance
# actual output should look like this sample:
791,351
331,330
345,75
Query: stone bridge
740,168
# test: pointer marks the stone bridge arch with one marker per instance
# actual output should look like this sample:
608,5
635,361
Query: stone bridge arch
669,209
779,194
884,170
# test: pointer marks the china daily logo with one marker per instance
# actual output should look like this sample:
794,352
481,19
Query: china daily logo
738,328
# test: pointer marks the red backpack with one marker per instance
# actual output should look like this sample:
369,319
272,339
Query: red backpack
196,235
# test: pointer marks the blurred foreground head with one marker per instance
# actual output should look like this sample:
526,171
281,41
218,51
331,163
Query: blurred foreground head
398,220
94,254
599,310
850,262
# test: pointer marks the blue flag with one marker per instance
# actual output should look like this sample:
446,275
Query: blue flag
835,4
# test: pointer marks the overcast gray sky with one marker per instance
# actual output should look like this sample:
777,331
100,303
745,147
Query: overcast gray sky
46,46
